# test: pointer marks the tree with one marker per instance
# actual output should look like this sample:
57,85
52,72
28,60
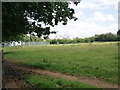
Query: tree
110,37
118,33
16,16
26,38
106,37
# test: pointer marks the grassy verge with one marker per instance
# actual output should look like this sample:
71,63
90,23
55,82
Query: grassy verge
96,60
41,81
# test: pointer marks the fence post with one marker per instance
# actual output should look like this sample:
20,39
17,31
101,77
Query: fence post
0,69
3,70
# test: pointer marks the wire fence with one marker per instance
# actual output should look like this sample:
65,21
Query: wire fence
11,44
14,72
20,76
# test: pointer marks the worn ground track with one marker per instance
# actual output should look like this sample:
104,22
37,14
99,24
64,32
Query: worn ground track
88,80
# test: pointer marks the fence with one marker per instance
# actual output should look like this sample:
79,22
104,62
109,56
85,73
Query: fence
10,44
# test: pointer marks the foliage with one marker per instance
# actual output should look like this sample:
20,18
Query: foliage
26,38
106,37
15,16
118,33
96,38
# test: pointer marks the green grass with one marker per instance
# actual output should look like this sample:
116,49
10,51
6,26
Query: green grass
40,81
96,60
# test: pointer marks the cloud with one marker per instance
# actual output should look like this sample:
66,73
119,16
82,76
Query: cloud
98,16
90,5
114,3
113,28
85,5
79,14
108,2
96,4
82,29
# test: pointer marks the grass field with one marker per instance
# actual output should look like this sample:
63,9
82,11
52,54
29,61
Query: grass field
41,81
95,60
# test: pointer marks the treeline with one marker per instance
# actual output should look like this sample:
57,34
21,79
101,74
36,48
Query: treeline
96,38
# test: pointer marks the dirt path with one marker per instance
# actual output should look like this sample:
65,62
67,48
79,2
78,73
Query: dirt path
89,80
13,81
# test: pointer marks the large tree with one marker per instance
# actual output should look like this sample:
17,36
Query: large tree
16,16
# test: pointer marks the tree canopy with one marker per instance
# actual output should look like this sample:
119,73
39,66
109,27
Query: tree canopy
16,16
118,33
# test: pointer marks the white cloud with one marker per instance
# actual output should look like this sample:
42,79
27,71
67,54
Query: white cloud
97,4
79,14
113,28
98,16
108,2
86,5
90,5
82,29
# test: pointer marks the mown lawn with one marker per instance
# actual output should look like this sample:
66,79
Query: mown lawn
96,60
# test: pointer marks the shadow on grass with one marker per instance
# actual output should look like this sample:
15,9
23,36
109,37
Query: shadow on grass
10,52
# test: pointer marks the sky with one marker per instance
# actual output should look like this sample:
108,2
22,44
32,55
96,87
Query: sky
94,17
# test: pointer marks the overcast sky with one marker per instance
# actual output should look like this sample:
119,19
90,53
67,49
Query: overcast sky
94,17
